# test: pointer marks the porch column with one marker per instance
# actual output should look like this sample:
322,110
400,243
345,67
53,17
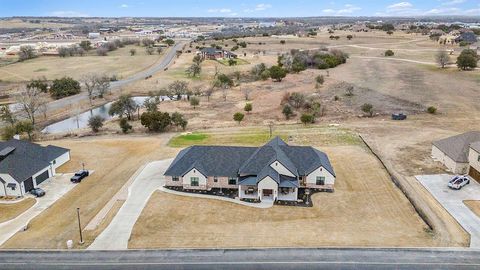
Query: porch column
239,191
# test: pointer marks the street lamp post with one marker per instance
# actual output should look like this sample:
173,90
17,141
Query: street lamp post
79,226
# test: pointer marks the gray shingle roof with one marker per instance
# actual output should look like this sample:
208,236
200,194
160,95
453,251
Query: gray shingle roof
457,147
475,146
249,161
27,158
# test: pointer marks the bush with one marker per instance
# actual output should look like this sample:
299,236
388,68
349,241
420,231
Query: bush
194,101
277,73
95,122
307,118
125,126
432,110
101,51
64,87
467,59
248,107
368,108
389,53
238,117
155,121
26,52
287,111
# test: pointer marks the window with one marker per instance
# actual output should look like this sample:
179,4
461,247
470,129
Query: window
175,178
232,180
54,162
478,157
320,181
194,181
215,179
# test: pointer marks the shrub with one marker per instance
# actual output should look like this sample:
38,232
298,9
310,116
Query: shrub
248,107
287,111
307,118
155,121
238,117
277,73
368,108
467,59
432,110
194,101
64,87
389,53
95,122
125,126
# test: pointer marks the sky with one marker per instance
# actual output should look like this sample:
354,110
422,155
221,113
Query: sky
237,8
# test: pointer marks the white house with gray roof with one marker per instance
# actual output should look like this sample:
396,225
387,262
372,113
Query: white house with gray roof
275,171
25,165
460,153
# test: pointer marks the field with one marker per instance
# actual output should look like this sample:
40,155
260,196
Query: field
474,206
118,63
10,211
365,210
114,160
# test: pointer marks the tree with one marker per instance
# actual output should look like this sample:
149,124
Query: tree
149,50
467,59
151,104
133,52
193,70
86,45
194,101
155,121
282,41
147,42
178,120
124,106
31,101
319,80
432,110
368,109
6,115
25,127
297,100
349,37
169,42
26,52
197,59
277,73
40,84
287,111
390,33
349,91
90,82
238,117
125,126
389,53
64,87
208,93
246,93
102,51
95,122
159,50
232,62
224,82
442,58
178,88
307,118
103,84
248,107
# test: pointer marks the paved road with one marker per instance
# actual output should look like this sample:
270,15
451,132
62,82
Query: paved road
169,56
452,201
327,258
54,188
117,234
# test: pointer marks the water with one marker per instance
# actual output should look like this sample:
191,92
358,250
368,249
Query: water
81,120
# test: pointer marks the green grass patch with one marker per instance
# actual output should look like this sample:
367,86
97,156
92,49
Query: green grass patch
187,140
40,70
238,61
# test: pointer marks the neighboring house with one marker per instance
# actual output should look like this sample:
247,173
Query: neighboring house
213,53
275,171
468,37
460,153
25,165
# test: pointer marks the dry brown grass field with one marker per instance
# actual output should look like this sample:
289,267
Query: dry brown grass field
119,63
10,211
366,209
474,206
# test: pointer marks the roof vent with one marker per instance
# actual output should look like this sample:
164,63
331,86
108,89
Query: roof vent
16,137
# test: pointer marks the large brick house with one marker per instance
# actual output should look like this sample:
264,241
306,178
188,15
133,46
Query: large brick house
275,171
213,53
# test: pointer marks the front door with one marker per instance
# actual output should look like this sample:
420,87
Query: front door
267,194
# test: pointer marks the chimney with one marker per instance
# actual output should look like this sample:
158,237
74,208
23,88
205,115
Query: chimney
16,137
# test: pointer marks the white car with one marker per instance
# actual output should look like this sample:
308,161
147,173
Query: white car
458,182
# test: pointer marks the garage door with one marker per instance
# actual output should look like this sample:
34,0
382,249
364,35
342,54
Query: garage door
474,174
42,177
28,184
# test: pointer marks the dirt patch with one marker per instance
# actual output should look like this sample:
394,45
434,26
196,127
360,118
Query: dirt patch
10,211
474,206
365,210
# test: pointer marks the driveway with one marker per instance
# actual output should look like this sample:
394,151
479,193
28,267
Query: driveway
117,234
452,201
54,188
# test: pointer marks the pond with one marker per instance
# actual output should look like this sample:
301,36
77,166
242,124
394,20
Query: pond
81,120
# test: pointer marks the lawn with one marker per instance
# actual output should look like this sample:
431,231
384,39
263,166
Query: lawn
366,209
119,63
238,61
10,211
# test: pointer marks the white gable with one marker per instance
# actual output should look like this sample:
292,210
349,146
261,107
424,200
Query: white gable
277,166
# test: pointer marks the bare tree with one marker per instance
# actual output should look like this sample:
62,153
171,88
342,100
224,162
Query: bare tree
246,93
91,82
103,84
31,101
442,58
209,93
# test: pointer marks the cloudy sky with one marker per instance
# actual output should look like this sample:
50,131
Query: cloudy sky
237,8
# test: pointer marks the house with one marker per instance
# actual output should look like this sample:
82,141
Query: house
25,165
213,53
275,171
460,153
468,37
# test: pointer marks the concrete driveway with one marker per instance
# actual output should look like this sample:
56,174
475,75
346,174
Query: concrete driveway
452,201
117,234
54,188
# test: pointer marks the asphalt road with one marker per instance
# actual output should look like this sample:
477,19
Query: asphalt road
72,100
325,258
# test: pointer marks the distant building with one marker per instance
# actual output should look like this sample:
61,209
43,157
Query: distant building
93,35
468,37
213,53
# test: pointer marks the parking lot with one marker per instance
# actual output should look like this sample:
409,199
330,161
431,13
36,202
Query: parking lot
452,201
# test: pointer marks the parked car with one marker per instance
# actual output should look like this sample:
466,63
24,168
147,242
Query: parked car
399,116
77,178
37,192
458,182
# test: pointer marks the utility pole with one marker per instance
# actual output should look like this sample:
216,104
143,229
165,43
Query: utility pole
79,226
83,166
